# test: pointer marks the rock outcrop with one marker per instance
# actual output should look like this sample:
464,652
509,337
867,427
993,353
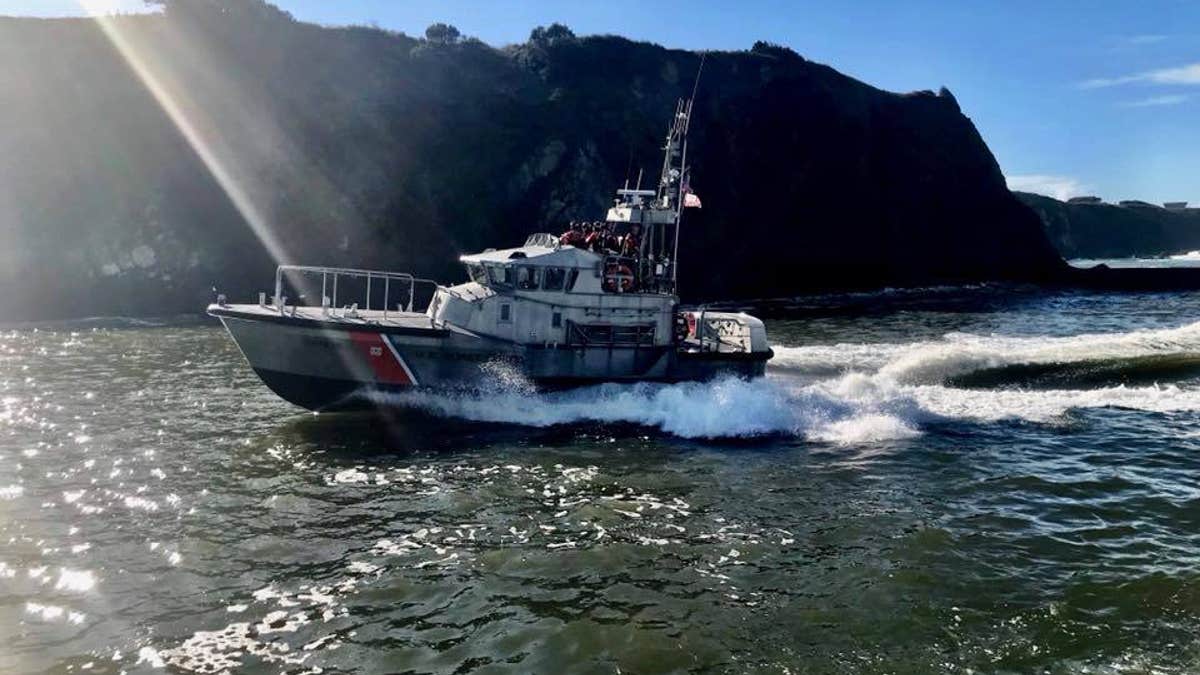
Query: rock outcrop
1112,231
147,159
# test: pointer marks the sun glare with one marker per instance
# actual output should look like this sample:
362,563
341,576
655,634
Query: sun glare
188,118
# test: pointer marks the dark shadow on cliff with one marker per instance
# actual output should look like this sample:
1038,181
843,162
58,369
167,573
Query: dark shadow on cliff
375,149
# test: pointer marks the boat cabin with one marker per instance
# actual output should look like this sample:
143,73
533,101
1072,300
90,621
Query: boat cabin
540,266
555,295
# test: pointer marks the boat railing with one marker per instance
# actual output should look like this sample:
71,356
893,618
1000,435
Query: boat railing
402,284
610,335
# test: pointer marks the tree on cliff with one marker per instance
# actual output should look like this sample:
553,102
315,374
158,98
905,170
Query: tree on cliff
442,33
549,35
234,9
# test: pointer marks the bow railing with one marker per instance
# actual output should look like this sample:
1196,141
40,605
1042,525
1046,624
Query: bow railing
378,288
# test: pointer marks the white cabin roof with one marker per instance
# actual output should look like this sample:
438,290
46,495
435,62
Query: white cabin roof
536,256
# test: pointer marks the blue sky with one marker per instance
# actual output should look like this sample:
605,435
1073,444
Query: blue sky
1072,97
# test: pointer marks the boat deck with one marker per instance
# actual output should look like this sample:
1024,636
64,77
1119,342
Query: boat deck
362,319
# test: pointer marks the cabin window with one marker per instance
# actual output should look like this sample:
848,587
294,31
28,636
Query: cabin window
501,275
506,312
477,273
554,280
529,278
556,320
572,275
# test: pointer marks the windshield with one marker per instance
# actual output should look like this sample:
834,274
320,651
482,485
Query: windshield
554,279
501,275
477,273
529,278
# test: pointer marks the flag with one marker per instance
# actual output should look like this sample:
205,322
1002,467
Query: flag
690,200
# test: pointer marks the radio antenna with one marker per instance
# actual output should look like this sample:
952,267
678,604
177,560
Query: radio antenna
699,70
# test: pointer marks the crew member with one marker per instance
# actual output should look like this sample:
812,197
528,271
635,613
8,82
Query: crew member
573,236
595,238
611,241
631,243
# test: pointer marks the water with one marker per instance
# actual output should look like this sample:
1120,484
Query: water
1004,481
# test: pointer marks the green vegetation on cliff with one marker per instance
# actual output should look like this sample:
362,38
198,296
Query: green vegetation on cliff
147,158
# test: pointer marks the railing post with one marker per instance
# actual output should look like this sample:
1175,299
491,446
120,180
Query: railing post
387,286
412,287
368,303
279,288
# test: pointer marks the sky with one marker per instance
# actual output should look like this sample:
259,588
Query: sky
1073,98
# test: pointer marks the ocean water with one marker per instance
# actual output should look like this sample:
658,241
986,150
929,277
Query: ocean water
998,480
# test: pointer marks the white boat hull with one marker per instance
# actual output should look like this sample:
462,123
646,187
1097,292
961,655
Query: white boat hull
321,363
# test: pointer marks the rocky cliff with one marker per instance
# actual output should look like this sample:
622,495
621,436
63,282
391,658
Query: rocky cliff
147,159
1110,231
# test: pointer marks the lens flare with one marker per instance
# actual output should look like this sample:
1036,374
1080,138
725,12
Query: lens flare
189,118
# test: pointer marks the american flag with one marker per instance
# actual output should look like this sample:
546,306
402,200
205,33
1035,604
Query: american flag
690,199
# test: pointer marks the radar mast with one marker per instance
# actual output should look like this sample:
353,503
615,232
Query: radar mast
657,211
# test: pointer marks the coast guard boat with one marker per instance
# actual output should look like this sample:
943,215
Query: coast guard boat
554,313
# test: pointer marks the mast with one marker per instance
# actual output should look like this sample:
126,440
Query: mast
678,219
670,185
658,211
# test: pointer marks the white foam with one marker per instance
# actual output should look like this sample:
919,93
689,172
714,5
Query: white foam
933,361
865,429
893,376
728,408
1049,405
834,358
960,353
844,393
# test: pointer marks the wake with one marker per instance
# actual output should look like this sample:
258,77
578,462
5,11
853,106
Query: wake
867,393
727,408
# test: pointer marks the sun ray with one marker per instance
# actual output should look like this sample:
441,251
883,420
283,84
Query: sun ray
172,101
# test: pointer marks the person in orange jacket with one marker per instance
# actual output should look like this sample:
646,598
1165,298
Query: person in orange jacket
573,236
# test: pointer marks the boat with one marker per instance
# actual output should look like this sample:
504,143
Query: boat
552,312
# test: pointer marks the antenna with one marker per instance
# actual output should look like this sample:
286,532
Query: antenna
699,70
683,172
659,238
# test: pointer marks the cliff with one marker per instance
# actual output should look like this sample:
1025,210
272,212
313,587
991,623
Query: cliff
1110,231
147,159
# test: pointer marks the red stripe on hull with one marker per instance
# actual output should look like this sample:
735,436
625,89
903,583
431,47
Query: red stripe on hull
379,356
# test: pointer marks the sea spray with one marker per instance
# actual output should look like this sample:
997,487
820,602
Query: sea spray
846,393
956,353
962,353
727,408
914,382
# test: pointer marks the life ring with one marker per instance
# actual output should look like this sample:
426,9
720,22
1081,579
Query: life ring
618,274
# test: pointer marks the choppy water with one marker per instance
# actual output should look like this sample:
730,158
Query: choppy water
995,481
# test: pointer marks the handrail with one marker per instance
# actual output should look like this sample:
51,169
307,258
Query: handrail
337,272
